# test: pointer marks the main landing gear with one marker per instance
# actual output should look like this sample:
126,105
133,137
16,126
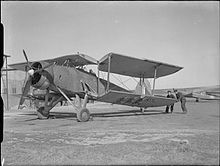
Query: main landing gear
42,113
143,110
83,114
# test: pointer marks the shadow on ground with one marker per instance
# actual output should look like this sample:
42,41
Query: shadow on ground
120,113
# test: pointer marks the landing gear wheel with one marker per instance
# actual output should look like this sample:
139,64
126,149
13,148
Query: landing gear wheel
142,110
83,115
42,113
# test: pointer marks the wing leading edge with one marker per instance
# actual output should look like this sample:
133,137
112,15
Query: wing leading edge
130,99
72,60
134,67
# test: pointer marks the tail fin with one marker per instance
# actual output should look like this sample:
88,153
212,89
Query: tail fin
146,87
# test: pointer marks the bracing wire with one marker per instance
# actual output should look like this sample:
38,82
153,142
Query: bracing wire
134,79
121,82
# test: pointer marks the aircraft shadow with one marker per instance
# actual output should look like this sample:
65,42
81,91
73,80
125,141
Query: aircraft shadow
127,113
53,115
177,113
67,115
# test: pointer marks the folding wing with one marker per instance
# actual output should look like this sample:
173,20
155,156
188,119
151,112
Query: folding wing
75,60
72,60
130,99
134,67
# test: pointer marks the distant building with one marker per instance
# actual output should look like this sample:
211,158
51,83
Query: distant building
14,86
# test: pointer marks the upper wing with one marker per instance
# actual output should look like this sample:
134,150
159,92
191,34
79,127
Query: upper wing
8,69
19,66
135,67
72,60
130,99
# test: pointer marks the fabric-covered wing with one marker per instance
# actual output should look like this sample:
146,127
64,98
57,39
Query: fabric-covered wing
8,69
130,99
134,67
71,60
74,60
19,66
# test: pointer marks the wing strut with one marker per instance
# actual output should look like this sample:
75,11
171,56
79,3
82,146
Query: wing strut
67,98
109,68
98,80
142,86
155,76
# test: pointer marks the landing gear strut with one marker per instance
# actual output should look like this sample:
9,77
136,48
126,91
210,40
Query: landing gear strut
43,113
83,114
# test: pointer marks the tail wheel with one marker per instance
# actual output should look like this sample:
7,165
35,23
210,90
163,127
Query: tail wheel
83,115
42,113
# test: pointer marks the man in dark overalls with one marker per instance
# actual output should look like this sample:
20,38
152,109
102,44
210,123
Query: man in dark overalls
180,97
170,95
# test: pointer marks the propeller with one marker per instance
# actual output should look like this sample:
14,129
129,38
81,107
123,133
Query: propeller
28,64
32,70
27,84
43,68
25,91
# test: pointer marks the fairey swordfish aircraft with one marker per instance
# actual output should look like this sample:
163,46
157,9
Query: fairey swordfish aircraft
64,78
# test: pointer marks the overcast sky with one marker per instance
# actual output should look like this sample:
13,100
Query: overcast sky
180,33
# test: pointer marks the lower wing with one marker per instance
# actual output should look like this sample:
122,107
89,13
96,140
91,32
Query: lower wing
130,99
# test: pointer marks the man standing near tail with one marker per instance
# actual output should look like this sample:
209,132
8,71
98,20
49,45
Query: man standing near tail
170,95
180,97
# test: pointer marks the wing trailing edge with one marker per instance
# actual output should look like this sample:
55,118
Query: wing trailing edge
131,99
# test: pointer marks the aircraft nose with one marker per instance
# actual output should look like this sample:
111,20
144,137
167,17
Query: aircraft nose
31,72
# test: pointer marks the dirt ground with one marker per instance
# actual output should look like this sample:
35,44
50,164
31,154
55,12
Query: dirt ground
114,135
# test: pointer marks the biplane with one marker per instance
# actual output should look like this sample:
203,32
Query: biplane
64,78
198,93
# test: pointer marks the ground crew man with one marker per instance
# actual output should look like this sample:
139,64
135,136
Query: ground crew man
180,97
170,95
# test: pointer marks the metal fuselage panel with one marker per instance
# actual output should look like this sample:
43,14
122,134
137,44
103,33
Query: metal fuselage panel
71,79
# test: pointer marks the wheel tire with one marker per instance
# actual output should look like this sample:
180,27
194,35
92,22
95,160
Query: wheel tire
83,115
42,113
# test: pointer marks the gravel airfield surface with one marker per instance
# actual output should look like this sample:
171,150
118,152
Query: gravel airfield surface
114,135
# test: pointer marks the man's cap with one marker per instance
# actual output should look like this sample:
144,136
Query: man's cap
168,91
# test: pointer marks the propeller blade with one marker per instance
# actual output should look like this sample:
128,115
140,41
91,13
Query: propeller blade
25,55
44,67
25,91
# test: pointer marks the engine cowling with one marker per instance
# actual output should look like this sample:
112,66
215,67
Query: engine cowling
43,83
39,80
